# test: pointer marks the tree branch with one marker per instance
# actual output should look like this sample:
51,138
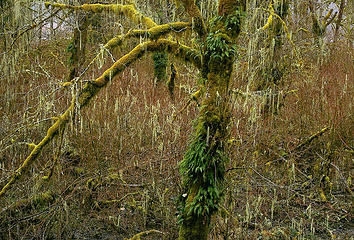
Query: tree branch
34,25
93,87
339,19
129,11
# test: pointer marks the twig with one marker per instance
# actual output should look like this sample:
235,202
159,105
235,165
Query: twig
28,29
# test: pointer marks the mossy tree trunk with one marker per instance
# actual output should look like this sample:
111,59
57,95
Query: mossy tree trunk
203,166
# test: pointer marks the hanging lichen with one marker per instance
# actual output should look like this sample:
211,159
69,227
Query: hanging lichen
160,65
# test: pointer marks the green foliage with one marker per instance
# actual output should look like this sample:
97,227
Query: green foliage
203,166
219,41
160,64
218,46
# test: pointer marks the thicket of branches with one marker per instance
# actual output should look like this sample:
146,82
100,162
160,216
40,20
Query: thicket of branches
113,171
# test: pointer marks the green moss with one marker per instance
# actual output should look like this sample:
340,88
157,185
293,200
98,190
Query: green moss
160,65
87,93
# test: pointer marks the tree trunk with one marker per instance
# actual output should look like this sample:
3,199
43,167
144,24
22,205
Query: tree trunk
203,166
339,19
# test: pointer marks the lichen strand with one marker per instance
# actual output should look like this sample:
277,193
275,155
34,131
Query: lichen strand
281,8
175,48
272,73
128,11
92,88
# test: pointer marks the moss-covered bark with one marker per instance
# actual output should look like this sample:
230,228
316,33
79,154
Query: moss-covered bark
203,166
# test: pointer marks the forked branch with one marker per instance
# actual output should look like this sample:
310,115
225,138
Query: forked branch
152,33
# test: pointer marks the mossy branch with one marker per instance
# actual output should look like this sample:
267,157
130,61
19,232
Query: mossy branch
195,15
320,28
31,202
270,18
186,53
93,87
129,11
152,33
